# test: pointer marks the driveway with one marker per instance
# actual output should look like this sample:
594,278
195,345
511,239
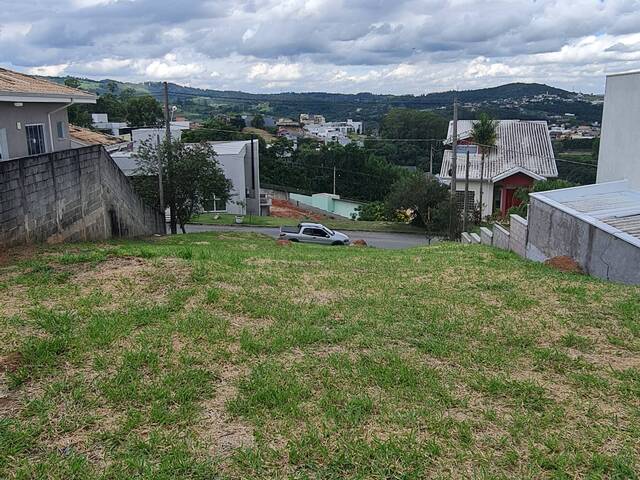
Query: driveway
373,239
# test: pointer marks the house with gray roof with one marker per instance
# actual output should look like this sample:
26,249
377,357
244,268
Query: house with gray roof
521,155
33,115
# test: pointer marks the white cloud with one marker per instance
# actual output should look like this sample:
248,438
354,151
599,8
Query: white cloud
277,72
483,67
404,46
48,70
403,71
163,70
249,34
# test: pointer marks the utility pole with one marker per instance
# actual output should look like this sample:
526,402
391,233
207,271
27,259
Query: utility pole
466,196
453,218
334,177
167,126
431,160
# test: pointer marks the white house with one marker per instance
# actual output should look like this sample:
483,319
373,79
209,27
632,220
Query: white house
240,161
521,155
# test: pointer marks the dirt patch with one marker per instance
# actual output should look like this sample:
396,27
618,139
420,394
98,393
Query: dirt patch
11,362
284,209
564,263
222,432
359,243
318,297
8,406
118,276
283,242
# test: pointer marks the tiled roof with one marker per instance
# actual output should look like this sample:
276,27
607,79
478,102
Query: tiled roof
90,137
14,83
519,143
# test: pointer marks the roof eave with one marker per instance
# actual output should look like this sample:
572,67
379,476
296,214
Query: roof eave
45,98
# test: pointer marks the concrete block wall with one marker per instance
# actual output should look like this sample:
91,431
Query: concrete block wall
500,237
486,236
71,195
518,235
553,233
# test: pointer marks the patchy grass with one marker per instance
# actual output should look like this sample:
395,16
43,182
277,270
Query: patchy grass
358,225
225,356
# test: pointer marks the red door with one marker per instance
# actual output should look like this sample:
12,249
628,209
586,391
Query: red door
507,200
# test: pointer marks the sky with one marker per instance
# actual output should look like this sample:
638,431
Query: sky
347,46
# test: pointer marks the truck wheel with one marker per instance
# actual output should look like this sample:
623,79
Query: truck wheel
295,240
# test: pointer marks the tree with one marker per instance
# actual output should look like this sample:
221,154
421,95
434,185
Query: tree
484,134
112,87
78,114
143,111
405,123
193,178
425,197
111,105
72,82
237,122
257,121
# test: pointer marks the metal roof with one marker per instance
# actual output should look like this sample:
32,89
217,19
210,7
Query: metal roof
519,143
14,84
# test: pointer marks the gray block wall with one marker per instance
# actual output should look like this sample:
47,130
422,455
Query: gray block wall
486,236
518,235
71,195
554,233
500,237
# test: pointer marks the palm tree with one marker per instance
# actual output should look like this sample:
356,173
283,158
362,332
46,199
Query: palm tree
484,134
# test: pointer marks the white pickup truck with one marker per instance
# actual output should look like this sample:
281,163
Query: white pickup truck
313,233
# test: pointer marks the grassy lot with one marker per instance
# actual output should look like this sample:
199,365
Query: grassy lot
225,356
364,226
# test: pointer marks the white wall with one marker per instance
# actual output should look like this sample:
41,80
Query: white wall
487,194
619,147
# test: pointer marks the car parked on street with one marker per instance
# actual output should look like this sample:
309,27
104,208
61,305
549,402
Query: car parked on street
313,233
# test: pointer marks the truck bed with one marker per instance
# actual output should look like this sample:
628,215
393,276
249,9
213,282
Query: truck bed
289,229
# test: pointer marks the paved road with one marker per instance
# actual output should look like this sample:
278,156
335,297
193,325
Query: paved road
374,239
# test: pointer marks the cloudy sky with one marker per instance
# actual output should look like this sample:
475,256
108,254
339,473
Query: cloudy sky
381,46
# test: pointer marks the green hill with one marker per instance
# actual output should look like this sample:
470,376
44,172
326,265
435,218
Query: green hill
200,103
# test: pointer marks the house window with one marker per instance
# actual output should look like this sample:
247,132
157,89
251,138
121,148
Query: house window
215,205
60,127
463,149
35,139
470,200
4,149
219,205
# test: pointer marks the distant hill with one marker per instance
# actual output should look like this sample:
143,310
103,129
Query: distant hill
512,100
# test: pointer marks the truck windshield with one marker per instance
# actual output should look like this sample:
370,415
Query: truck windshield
328,230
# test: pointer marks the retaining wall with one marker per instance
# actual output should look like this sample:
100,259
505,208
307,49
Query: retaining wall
70,195
518,235
553,233
500,237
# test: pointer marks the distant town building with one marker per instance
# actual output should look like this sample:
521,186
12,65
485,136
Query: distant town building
306,118
100,121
